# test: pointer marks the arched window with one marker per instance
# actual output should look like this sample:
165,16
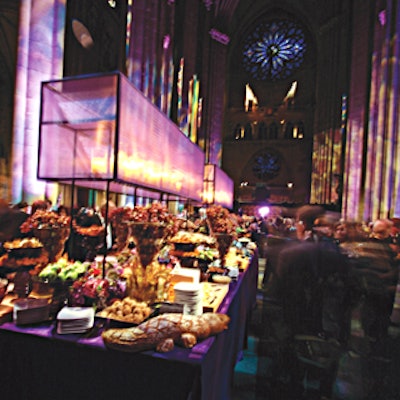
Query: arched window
262,131
238,132
273,130
300,130
248,131
289,130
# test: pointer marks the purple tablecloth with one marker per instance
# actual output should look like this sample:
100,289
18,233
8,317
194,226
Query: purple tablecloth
38,363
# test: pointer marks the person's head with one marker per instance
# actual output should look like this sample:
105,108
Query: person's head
323,227
381,229
349,231
49,203
22,206
62,210
341,232
39,205
103,208
304,221
306,216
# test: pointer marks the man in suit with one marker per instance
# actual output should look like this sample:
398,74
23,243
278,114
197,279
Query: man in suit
105,211
303,271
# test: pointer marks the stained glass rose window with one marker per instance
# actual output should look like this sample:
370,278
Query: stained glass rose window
266,165
274,50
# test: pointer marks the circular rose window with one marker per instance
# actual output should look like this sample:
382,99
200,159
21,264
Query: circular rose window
274,50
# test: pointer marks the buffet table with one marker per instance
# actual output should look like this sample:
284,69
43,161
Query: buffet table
38,363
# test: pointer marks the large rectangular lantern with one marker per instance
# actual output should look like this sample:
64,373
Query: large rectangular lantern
101,128
218,186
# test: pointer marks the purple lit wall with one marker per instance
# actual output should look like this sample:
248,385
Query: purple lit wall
149,50
327,152
371,184
40,57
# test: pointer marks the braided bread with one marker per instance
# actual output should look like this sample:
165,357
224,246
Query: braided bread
160,333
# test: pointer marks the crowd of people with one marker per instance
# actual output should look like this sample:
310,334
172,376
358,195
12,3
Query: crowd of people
336,278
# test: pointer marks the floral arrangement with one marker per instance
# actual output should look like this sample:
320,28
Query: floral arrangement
92,231
51,229
148,284
221,220
44,219
119,214
93,289
155,213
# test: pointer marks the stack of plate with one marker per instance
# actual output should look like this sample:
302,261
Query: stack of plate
191,296
75,319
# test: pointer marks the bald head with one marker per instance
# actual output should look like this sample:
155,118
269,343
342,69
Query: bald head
381,229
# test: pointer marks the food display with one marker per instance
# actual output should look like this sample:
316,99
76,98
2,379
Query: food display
92,230
42,219
221,220
223,227
63,270
125,287
148,284
193,248
213,295
24,243
25,247
3,287
51,229
127,310
23,253
147,226
197,238
221,279
162,332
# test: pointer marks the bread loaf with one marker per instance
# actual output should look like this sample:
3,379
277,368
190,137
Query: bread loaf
161,332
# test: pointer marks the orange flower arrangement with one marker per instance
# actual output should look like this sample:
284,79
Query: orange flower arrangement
221,220
44,219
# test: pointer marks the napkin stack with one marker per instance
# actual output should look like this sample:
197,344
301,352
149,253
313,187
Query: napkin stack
30,311
191,296
75,319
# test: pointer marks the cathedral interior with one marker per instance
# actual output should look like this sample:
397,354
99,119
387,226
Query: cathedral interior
296,101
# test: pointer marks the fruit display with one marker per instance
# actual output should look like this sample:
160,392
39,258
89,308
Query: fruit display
63,270
206,254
